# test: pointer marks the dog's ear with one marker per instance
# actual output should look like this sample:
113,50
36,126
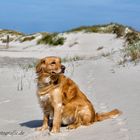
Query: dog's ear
40,66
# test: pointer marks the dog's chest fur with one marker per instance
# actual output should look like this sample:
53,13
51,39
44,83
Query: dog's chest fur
45,103
45,98
45,93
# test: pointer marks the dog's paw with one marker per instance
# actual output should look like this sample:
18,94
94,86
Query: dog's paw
72,126
42,128
54,130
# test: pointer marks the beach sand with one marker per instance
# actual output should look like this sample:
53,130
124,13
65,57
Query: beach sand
107,84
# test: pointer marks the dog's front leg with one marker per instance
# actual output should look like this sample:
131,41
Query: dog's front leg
45,123
57,105
56,120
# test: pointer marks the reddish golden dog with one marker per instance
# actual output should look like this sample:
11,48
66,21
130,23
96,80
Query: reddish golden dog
62,100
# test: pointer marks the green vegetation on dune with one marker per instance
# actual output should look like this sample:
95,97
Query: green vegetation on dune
131,35
27,38
53,39
133,51
11,32
105,28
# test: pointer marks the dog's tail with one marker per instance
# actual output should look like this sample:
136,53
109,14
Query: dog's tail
103,116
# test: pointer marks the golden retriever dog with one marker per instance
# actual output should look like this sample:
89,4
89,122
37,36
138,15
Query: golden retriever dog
62,100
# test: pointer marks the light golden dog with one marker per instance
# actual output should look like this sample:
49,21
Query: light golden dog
62,100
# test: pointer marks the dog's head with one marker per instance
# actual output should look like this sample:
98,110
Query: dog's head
51,65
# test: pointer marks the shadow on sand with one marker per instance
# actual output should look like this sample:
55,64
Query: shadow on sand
32,123
37,123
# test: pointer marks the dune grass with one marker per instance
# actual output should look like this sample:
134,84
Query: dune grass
131,36
27,38
105,28
51,39
133,51
73,58
12,32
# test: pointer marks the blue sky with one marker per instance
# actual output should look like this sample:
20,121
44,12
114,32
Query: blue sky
31,16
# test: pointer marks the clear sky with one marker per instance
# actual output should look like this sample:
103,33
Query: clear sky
60,15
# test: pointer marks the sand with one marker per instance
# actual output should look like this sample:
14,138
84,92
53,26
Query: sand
107,84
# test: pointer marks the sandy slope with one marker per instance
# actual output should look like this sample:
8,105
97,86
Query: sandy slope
76,44
106,84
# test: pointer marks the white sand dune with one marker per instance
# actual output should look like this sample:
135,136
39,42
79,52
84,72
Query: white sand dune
106,84
76,44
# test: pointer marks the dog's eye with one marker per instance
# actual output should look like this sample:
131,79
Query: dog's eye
53,63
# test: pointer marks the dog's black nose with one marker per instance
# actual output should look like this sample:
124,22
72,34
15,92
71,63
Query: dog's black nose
63,68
